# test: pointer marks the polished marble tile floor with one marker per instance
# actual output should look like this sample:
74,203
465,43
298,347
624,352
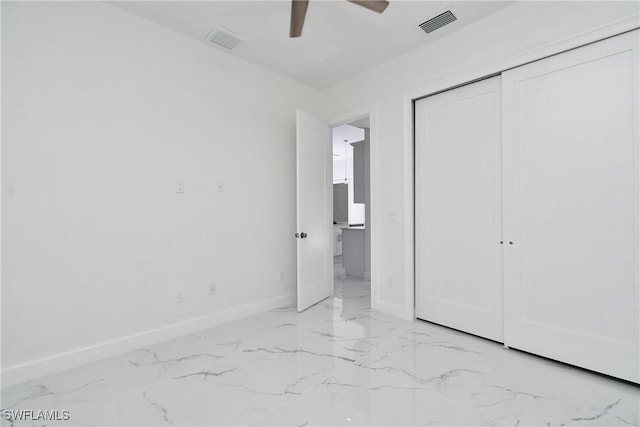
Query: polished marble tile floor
337,363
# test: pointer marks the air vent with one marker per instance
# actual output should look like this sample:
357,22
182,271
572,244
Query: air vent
439,21
223,38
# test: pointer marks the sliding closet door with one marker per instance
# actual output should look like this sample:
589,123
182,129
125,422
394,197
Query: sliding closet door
571,207
458,209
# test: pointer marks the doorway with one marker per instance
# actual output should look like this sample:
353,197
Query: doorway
351,208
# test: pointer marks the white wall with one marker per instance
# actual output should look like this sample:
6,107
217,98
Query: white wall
103,112
520,28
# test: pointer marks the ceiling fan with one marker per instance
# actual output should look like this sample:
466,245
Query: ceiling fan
299,11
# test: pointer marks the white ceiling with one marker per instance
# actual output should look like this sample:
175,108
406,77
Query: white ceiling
340,39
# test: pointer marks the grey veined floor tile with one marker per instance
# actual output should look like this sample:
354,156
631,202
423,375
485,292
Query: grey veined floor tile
337,363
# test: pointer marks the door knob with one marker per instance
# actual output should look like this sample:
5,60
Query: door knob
303,235
297,235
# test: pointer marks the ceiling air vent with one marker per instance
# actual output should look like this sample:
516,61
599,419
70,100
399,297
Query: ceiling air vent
223,38
439,21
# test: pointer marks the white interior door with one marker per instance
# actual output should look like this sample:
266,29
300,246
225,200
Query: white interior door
459,209
314,159
571,207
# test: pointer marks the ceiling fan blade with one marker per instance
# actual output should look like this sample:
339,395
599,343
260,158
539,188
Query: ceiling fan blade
378,6
298,12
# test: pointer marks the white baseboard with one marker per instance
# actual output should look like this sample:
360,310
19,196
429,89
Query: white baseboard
59,362
391,309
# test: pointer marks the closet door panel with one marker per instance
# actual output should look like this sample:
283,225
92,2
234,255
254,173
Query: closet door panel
571,207
458,209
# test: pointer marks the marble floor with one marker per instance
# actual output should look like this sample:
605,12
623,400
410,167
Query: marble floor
337,363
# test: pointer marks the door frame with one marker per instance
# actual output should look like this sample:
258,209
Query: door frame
479,73
345,118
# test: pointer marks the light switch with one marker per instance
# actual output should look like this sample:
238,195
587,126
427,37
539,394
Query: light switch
180,187
220,187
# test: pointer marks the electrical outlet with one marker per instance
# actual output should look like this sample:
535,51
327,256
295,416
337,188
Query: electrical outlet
213,289
181,295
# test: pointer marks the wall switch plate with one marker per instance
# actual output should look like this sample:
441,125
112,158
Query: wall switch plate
220,187
181,295
213,289
180,187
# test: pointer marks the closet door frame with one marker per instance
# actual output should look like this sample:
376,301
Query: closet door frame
407,308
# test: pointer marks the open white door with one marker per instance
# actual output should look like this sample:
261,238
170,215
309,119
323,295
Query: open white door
314,210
